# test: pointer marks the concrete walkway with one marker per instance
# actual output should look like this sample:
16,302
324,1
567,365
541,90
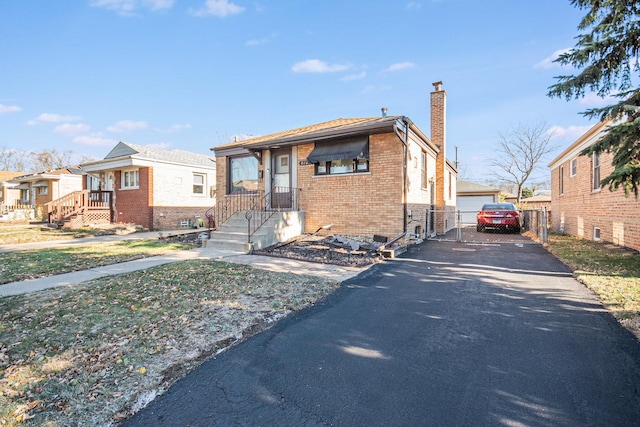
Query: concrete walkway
329,271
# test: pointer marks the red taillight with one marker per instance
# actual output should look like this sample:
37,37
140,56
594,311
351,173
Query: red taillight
513,214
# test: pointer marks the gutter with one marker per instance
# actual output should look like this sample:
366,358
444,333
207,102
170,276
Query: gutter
405,149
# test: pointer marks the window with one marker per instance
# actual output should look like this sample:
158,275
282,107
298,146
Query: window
130,179
423,170
336,167
561,180
243,174
340,157
93,182
573,170
198,183
450,186
43,190
596,172
596,234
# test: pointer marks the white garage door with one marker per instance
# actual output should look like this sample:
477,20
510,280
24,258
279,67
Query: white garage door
472,203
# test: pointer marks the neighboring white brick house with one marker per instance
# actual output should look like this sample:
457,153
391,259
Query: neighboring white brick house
580,207
157,189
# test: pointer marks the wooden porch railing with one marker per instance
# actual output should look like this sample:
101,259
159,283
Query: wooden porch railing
77,203
7,207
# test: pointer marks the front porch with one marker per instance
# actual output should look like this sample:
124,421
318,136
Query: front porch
255,219
81,208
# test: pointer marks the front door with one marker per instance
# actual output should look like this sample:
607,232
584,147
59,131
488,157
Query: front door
281,182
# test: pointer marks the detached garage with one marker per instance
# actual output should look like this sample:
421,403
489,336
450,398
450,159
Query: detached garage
471,196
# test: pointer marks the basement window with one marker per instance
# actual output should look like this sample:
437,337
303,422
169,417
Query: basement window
596,234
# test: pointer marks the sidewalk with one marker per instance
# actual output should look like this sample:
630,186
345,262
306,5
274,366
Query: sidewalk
329,271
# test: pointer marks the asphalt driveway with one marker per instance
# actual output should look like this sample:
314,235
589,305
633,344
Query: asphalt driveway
449,334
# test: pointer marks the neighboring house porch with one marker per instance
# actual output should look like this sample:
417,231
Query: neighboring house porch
33,192
156,189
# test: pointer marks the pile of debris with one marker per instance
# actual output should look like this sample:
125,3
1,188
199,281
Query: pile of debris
339,250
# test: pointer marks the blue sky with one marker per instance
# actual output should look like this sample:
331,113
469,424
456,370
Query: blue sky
82,75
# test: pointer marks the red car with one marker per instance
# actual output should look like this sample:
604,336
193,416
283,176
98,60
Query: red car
499,216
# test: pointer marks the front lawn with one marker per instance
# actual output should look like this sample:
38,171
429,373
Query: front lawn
23,265
35,233
92,354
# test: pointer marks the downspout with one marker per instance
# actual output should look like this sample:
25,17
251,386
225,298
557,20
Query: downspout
405,148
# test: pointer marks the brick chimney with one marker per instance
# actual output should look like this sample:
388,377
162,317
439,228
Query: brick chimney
439,137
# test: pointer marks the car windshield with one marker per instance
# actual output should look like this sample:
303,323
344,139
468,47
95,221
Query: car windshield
499,207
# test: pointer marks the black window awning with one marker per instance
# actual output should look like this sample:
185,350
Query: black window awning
354,148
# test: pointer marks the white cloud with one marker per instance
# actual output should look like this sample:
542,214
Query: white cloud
351,77
71,129
548,61
570,133
94,139
318,66
260,41
127,126
399,66
413,5
177,128
375,89
219,8
593,100
52,118
9,109
128,7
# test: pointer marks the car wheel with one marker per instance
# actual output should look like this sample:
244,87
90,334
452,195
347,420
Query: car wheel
479,228
516,230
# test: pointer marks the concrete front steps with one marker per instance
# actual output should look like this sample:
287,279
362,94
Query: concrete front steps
232,235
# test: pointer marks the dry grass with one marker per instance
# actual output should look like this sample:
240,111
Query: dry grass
92,354
34,233
23,265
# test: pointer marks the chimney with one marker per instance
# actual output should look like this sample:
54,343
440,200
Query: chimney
384,112
438,115
439,137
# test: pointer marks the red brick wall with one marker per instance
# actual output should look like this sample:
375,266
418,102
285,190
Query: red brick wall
135,205
579,209
169,217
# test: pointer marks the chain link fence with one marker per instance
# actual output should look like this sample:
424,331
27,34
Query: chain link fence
468,226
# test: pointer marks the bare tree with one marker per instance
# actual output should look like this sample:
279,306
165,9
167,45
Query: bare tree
6,158
13,160
519,152
47,160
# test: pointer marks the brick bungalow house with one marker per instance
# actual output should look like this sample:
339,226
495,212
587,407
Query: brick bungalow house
364,176
580,207
157,189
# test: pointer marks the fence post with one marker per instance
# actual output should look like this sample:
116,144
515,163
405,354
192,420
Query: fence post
544,230
459,227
